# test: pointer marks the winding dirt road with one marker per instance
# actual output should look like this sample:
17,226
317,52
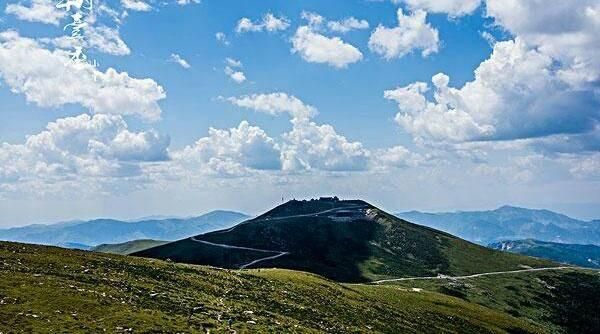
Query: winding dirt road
271,257
277,253
263,259
469,276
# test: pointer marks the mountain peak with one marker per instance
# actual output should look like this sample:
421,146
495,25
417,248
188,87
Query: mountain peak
507,207
311,206
345,240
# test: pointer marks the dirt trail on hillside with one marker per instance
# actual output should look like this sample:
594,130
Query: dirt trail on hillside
471,276
278,253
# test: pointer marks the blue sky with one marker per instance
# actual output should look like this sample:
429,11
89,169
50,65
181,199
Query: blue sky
410,104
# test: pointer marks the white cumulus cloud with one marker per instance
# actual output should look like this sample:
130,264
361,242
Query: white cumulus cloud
84,146
237,76
317,48
312,146
276,104
222,38
567,31
233,70
231,152
187,2
347,24
454,8
102,38
50,79
106,40
136,5
395,157
269,22
516,94
43,11
175,58
412,33
308,146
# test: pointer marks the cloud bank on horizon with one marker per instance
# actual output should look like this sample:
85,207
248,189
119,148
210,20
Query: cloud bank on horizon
526,116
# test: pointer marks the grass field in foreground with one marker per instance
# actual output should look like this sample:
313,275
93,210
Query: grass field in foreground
46,289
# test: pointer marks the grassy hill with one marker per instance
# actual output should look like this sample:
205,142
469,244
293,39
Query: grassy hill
129,247
580,255
47,289
348,241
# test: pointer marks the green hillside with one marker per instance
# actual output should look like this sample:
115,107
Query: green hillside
348,241
46,289
562,301
129,247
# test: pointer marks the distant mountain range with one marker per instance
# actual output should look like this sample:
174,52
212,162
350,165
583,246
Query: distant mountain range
510,223
87,234
347,241
580,255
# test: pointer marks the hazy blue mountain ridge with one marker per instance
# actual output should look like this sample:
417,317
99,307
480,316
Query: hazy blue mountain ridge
104,231
580,255
510,223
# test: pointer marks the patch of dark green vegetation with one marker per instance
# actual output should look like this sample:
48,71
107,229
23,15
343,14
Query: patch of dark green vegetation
458,291
575,302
